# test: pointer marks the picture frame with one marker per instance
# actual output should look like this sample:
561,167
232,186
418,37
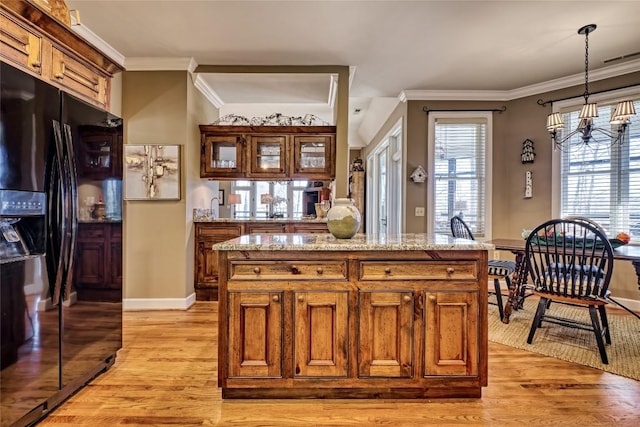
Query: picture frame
151,172
221,197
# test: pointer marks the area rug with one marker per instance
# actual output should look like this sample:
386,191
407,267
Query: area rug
569,344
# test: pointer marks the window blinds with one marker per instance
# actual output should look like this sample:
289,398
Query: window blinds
459,169
602,182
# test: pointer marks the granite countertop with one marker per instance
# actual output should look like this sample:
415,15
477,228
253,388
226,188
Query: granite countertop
326,242
287,220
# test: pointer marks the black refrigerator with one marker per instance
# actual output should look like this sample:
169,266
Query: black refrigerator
52,342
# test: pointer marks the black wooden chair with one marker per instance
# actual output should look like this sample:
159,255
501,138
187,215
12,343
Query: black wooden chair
570,262
497,269
608,296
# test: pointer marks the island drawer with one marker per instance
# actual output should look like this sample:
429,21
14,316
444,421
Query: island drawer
288,270
418,270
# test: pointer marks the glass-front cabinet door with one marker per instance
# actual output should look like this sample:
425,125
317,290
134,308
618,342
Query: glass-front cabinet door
222,156
99,152
268,156
313,156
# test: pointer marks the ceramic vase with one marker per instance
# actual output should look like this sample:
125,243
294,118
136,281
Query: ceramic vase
343,219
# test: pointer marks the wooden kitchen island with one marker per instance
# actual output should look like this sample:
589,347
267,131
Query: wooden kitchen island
311,316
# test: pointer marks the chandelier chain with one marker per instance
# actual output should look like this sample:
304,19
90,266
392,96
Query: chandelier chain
586,67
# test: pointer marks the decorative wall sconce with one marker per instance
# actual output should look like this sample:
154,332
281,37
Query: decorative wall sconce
419,174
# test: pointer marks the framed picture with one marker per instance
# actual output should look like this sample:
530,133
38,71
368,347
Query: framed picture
221,197
151,172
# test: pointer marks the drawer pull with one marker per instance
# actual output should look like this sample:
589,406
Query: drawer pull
36,64
387,270
432,298
275,298
407,298
450,270
294,270
319,270
256,270
300,298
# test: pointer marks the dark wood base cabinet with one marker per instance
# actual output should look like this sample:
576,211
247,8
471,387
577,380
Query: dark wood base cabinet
208,233
98,263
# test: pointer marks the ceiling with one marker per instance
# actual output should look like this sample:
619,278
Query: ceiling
392,47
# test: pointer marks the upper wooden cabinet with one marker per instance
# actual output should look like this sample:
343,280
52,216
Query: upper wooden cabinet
268,152
20,45
268,156
43,46
222,156
99,152
313,156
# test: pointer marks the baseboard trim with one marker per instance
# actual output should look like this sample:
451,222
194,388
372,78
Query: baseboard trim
133,304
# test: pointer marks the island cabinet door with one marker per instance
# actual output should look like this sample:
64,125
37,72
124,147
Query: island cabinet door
451,333
321,331
386,331
255,334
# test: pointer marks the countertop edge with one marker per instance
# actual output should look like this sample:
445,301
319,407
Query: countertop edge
361,242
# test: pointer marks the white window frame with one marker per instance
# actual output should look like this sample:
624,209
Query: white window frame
607,98
488,193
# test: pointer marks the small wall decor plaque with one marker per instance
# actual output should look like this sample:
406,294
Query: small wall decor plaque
528,154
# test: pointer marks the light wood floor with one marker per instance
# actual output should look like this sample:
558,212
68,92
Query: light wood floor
166,375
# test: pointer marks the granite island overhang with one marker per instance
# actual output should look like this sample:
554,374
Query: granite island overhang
388,316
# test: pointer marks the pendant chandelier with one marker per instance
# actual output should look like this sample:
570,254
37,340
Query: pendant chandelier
589,133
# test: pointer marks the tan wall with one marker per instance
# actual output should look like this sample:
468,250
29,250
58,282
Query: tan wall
160,107
198,191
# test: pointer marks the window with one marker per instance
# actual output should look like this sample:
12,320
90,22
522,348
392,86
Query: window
603,182
459,171
269,199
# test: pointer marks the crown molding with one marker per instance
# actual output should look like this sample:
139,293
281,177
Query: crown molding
211,95
522,92
453,95
333,90
352,74
96,41
140,63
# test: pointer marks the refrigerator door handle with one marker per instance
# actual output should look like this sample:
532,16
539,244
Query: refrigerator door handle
72,206
56,225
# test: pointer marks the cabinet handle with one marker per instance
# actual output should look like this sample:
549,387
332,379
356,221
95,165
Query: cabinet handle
432,298
294,270
275,298
256,270
319,270
387,270
450,270
36,64
300,298
60,75
407,298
